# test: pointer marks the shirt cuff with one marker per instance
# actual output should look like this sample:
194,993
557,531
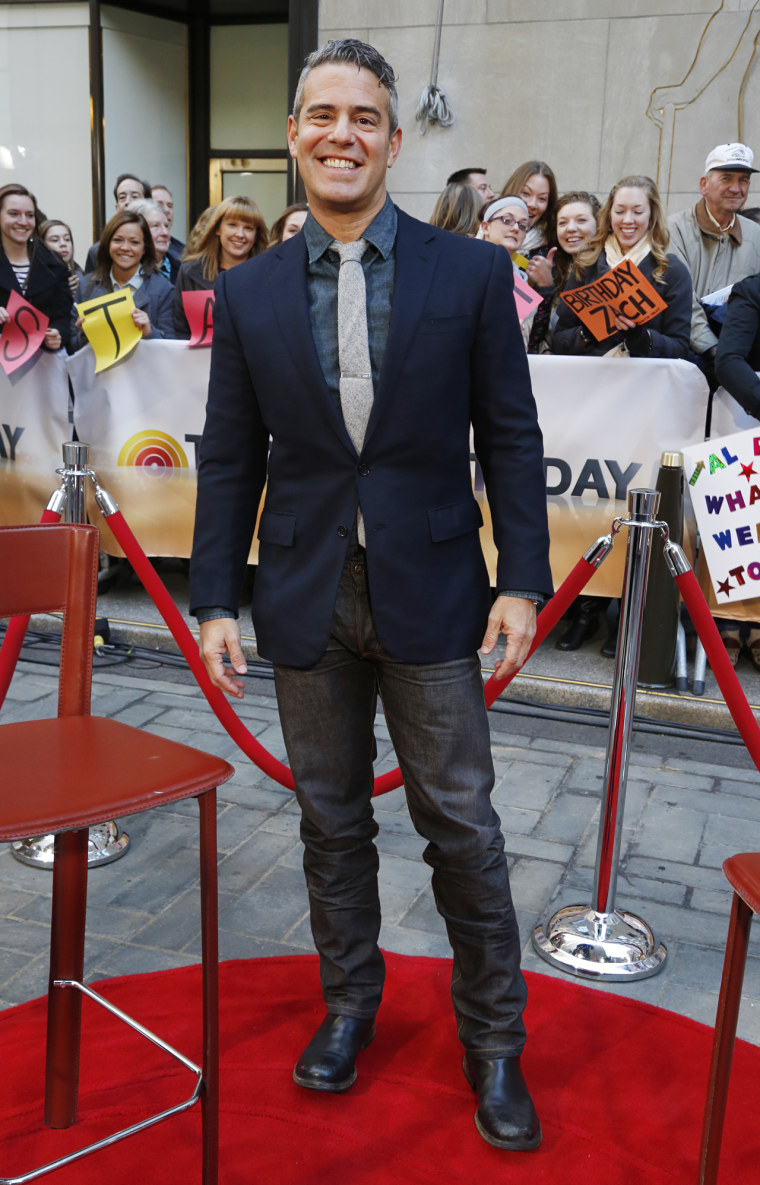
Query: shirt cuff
212,612
537,598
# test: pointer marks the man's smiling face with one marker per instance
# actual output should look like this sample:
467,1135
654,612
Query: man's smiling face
342,140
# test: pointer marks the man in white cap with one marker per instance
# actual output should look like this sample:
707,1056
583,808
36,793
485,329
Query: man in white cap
718,246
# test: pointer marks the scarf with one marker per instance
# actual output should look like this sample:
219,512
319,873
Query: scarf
637,252
534,238
613,256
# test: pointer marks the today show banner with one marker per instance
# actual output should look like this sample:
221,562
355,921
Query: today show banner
605,422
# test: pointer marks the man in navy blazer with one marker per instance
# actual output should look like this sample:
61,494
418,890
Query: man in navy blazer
394,600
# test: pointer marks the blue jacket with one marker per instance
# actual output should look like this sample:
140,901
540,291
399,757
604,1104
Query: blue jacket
454,356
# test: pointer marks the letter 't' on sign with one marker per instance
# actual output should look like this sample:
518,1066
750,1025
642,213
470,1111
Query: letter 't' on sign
199,310
109,327
23,332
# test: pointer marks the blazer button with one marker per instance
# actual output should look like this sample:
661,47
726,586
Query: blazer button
342,531
364,469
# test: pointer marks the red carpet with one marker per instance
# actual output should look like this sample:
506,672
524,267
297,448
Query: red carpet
619,1087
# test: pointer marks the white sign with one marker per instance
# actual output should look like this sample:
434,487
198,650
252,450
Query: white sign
723,479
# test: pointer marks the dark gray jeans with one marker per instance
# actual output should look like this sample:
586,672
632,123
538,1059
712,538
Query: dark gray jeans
437,721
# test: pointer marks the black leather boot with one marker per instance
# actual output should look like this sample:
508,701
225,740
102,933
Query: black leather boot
505,1116
327,1063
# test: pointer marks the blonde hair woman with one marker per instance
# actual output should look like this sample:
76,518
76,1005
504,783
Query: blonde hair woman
631,226
229,234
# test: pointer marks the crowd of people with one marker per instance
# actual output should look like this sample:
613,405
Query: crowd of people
136,250
704,262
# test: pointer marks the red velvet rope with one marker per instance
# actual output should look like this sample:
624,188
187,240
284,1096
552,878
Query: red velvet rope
571,587
576,581
16,632
720,663
219,703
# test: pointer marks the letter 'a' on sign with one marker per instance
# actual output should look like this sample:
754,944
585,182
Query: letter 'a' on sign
23,332
199,310
631,295
108,326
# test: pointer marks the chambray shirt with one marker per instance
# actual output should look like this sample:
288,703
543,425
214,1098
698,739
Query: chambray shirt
379,267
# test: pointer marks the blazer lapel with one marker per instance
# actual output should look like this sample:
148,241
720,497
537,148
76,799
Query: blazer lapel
416,257
287,286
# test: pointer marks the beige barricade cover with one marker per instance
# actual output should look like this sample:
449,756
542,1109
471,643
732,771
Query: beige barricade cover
34,423
606,423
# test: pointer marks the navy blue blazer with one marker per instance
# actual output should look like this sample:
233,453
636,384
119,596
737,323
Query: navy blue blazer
454,356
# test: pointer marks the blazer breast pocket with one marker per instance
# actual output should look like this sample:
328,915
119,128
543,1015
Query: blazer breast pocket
277,527
458,324
448,522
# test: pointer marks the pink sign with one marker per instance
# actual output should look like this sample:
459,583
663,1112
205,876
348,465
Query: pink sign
526,298
23,333
199,310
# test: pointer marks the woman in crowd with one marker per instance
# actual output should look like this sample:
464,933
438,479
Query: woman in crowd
235,232
126,258
167,264
57,236
736,362
458,209
572,226
288,224
631,226
535,183
505,223
30,268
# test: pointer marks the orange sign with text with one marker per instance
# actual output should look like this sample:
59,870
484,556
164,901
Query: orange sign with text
623,291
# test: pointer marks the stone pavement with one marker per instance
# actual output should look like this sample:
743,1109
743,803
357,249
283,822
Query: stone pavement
690,803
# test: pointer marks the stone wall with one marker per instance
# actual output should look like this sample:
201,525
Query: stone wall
598,88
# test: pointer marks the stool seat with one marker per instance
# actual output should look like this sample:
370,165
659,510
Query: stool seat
743,872
73,771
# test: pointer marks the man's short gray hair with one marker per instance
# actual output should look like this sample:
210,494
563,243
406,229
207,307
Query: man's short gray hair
350,52
146,207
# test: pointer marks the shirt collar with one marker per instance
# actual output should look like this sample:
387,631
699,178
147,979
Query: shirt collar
134,282
710,226
381,233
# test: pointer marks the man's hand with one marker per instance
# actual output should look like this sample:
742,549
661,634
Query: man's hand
221,636
515,617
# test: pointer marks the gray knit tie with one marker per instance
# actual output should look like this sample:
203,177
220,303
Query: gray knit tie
356,391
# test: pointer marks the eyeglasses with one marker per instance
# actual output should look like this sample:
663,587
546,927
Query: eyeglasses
508,221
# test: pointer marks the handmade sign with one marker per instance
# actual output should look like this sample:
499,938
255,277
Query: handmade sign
199,310
723,479
526,298
623,291
23,332
109,327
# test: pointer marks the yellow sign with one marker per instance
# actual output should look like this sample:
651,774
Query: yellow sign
109,327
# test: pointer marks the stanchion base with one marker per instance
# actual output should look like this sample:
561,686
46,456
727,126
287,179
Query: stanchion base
615,947
107,843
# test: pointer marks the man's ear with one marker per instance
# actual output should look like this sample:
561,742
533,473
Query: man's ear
292,133
394,147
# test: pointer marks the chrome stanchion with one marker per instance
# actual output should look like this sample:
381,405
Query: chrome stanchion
107,841
598,941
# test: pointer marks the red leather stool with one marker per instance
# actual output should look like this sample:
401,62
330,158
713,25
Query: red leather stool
743,871
55,769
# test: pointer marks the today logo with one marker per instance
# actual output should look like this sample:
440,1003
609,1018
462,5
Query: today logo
155,452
